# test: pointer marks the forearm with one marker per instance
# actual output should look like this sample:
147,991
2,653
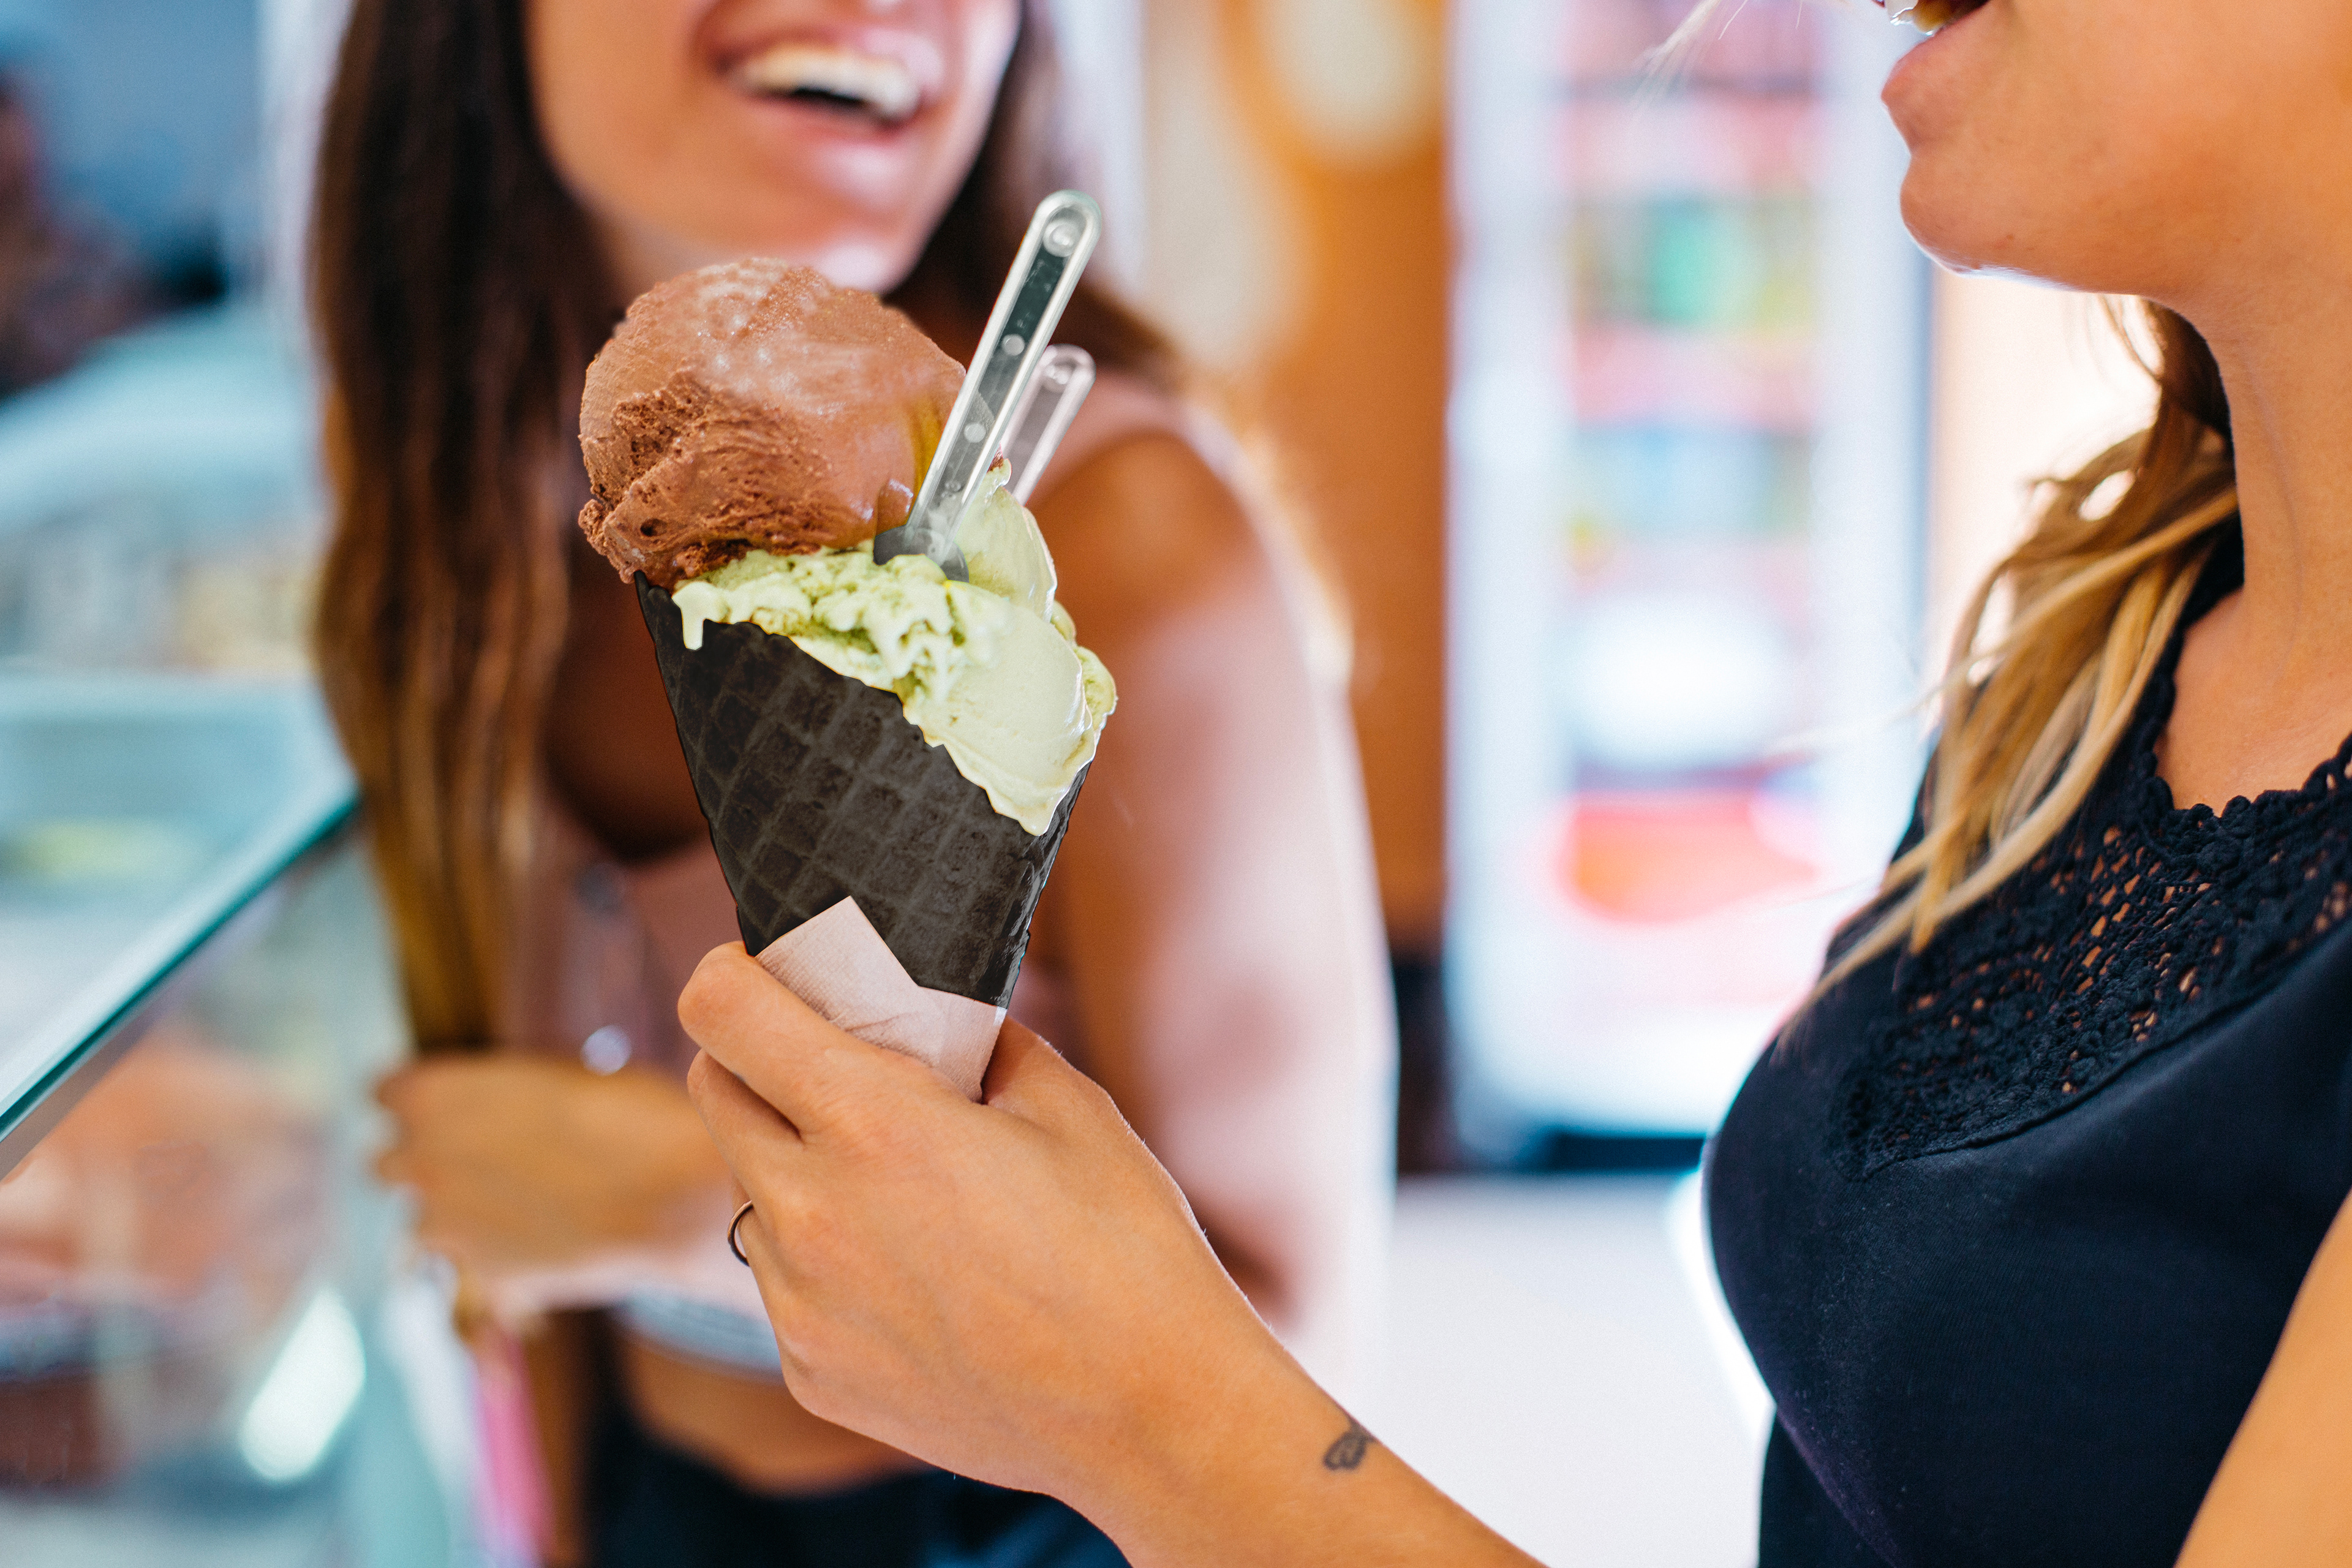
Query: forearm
1261,1466
551,1186
688,1259
691,1256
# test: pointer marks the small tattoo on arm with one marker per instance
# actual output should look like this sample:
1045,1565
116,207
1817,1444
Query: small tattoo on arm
1348,1451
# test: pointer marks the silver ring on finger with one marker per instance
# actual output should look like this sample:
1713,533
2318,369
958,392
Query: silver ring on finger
734,1241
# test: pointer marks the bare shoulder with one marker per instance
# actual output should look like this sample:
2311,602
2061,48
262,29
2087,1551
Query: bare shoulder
1147,525
2279,1497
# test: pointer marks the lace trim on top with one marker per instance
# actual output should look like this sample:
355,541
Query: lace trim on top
2136,925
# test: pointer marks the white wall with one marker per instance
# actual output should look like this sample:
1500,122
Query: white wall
2029,382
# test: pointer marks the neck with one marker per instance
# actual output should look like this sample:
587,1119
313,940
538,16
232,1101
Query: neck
2287,372
2264,683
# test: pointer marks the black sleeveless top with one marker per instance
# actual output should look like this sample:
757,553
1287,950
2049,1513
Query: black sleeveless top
2012,1226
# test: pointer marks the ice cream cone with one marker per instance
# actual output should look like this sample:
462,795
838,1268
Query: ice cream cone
817,788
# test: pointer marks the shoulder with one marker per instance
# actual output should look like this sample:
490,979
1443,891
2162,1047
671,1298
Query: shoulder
2279,1495
1121,410
1157,517
1144,498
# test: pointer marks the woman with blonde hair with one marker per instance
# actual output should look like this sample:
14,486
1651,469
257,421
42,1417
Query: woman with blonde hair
2033,1217
497,179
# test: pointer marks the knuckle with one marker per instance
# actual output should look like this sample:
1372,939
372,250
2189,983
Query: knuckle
797,1379
877,1150
695,1004
870,1126
811,1389
829,1377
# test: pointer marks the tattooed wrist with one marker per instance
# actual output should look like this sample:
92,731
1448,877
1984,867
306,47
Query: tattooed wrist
1348,1450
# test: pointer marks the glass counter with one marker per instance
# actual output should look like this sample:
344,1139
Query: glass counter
214,1346
210,1350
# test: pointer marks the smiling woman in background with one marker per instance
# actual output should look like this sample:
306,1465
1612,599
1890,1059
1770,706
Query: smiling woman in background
2034,1218
499,178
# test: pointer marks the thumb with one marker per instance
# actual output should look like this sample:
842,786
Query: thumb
753,1025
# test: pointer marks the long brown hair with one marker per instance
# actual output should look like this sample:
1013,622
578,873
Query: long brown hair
458,296
2031,717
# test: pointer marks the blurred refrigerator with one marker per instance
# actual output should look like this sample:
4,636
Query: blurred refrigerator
1687,544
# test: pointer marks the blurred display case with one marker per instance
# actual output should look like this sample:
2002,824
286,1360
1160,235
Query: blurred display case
212,1347
206,1352
1686,569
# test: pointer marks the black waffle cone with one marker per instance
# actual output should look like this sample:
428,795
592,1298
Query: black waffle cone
817,788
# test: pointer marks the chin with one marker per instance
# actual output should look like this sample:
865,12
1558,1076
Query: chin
1934,216
1978,226
1931,226
1962,220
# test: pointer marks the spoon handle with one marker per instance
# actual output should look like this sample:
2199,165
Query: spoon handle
1062,385
1062,238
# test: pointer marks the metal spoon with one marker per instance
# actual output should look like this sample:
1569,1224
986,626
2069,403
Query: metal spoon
1062,385
1062,238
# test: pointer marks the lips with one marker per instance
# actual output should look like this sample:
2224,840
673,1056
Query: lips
851,82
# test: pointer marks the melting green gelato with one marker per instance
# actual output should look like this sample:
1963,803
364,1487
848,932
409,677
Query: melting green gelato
991,670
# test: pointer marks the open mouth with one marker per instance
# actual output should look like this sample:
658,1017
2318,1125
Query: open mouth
870,88
1933,16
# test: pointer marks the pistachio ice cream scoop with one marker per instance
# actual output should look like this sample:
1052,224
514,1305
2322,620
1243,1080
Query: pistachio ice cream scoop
991,670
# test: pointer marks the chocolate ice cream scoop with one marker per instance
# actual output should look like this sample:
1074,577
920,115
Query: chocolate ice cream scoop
755,406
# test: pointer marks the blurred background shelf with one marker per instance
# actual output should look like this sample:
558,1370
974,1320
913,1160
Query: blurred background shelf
1689,468
1564,1366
